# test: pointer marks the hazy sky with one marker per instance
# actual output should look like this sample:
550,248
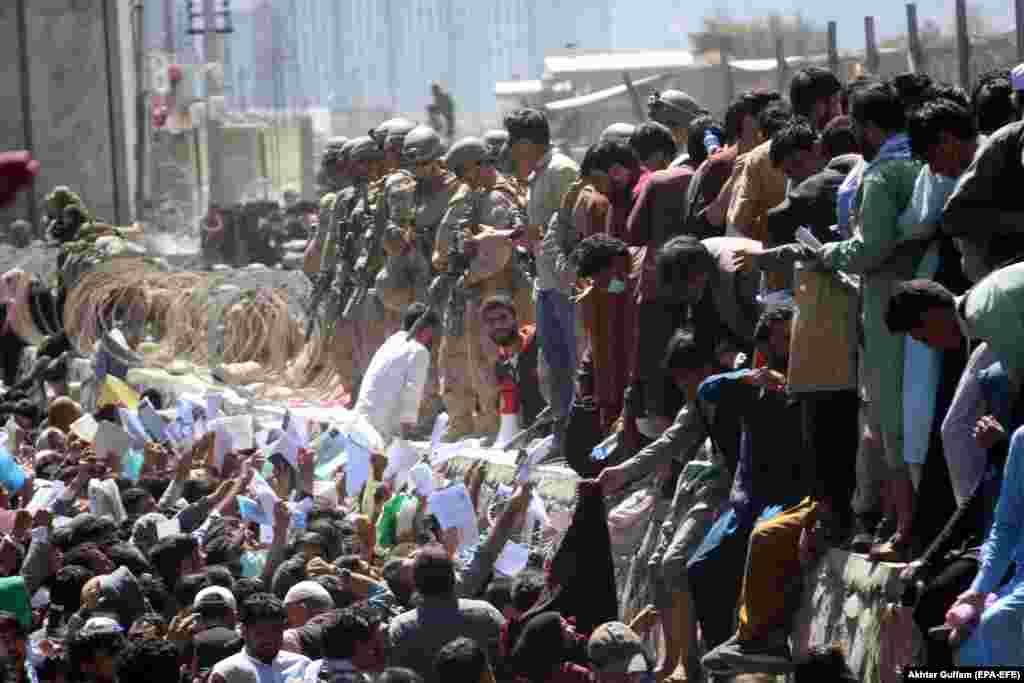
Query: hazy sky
665,23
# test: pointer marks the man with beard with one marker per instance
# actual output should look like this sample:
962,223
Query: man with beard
263,625
519,361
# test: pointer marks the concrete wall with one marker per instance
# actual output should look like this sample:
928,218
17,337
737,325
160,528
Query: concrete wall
75,85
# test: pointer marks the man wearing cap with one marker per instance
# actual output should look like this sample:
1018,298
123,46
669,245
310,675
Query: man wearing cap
618,132
617,654
215,606
482,208
262,660
332,174
676,110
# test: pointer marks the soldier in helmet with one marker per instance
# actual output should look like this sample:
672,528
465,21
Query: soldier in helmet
332,180
390,135
357,338
415,200
618,132
676,110
490,215
332,175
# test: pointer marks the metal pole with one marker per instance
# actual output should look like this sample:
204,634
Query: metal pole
141,117
169,26
871,47
833,49
914,51
213,47
26,105
963,45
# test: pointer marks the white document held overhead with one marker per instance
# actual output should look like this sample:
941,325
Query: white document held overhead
512,560
85,428
454,508
170,527
45,496
231,433
401,458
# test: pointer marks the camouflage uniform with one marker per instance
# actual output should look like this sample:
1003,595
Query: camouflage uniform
467,363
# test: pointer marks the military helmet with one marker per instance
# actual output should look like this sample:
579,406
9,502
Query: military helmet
365,148
618,132
673,108
422,144
465,150
495,141
333,150
345,153
392,131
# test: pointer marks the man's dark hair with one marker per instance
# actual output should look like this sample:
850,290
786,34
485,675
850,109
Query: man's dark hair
762,331
345,630
926,124
188,586
221,551
684,353
84,646
774,117
127,555
651,137
796,136
291,572
597,252
810,86
335,587
262,608
85,555
415,311
601,156
219,575
680,257
695,147
246,588
155,399
499,301
527,590
912,89
134,500
952,93
397,674
460,660
433,572
992,101
824,665
750,103
154,590
530,125
911,299
498,593
66,589
838,139
153,661
878,104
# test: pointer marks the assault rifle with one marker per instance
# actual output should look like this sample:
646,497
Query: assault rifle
362,277
322,284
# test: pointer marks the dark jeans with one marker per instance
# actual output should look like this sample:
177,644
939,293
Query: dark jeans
831,435
716,573
938,596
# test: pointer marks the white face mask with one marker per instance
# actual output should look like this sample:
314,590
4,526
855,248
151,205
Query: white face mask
616,286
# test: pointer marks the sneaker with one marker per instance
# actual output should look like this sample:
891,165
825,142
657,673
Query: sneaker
769,655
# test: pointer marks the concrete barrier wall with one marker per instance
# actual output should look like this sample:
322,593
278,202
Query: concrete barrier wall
75,89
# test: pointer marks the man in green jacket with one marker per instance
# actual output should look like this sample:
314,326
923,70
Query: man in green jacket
876,254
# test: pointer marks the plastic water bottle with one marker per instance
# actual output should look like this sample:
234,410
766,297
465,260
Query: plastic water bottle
12,477
599,453
711,142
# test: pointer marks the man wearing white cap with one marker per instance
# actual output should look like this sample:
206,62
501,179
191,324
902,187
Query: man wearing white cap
216,607
303,601
617,654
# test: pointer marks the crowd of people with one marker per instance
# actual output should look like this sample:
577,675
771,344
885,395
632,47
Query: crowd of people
796,329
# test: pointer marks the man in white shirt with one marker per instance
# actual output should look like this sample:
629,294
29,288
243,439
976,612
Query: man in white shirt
393,386
262,660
